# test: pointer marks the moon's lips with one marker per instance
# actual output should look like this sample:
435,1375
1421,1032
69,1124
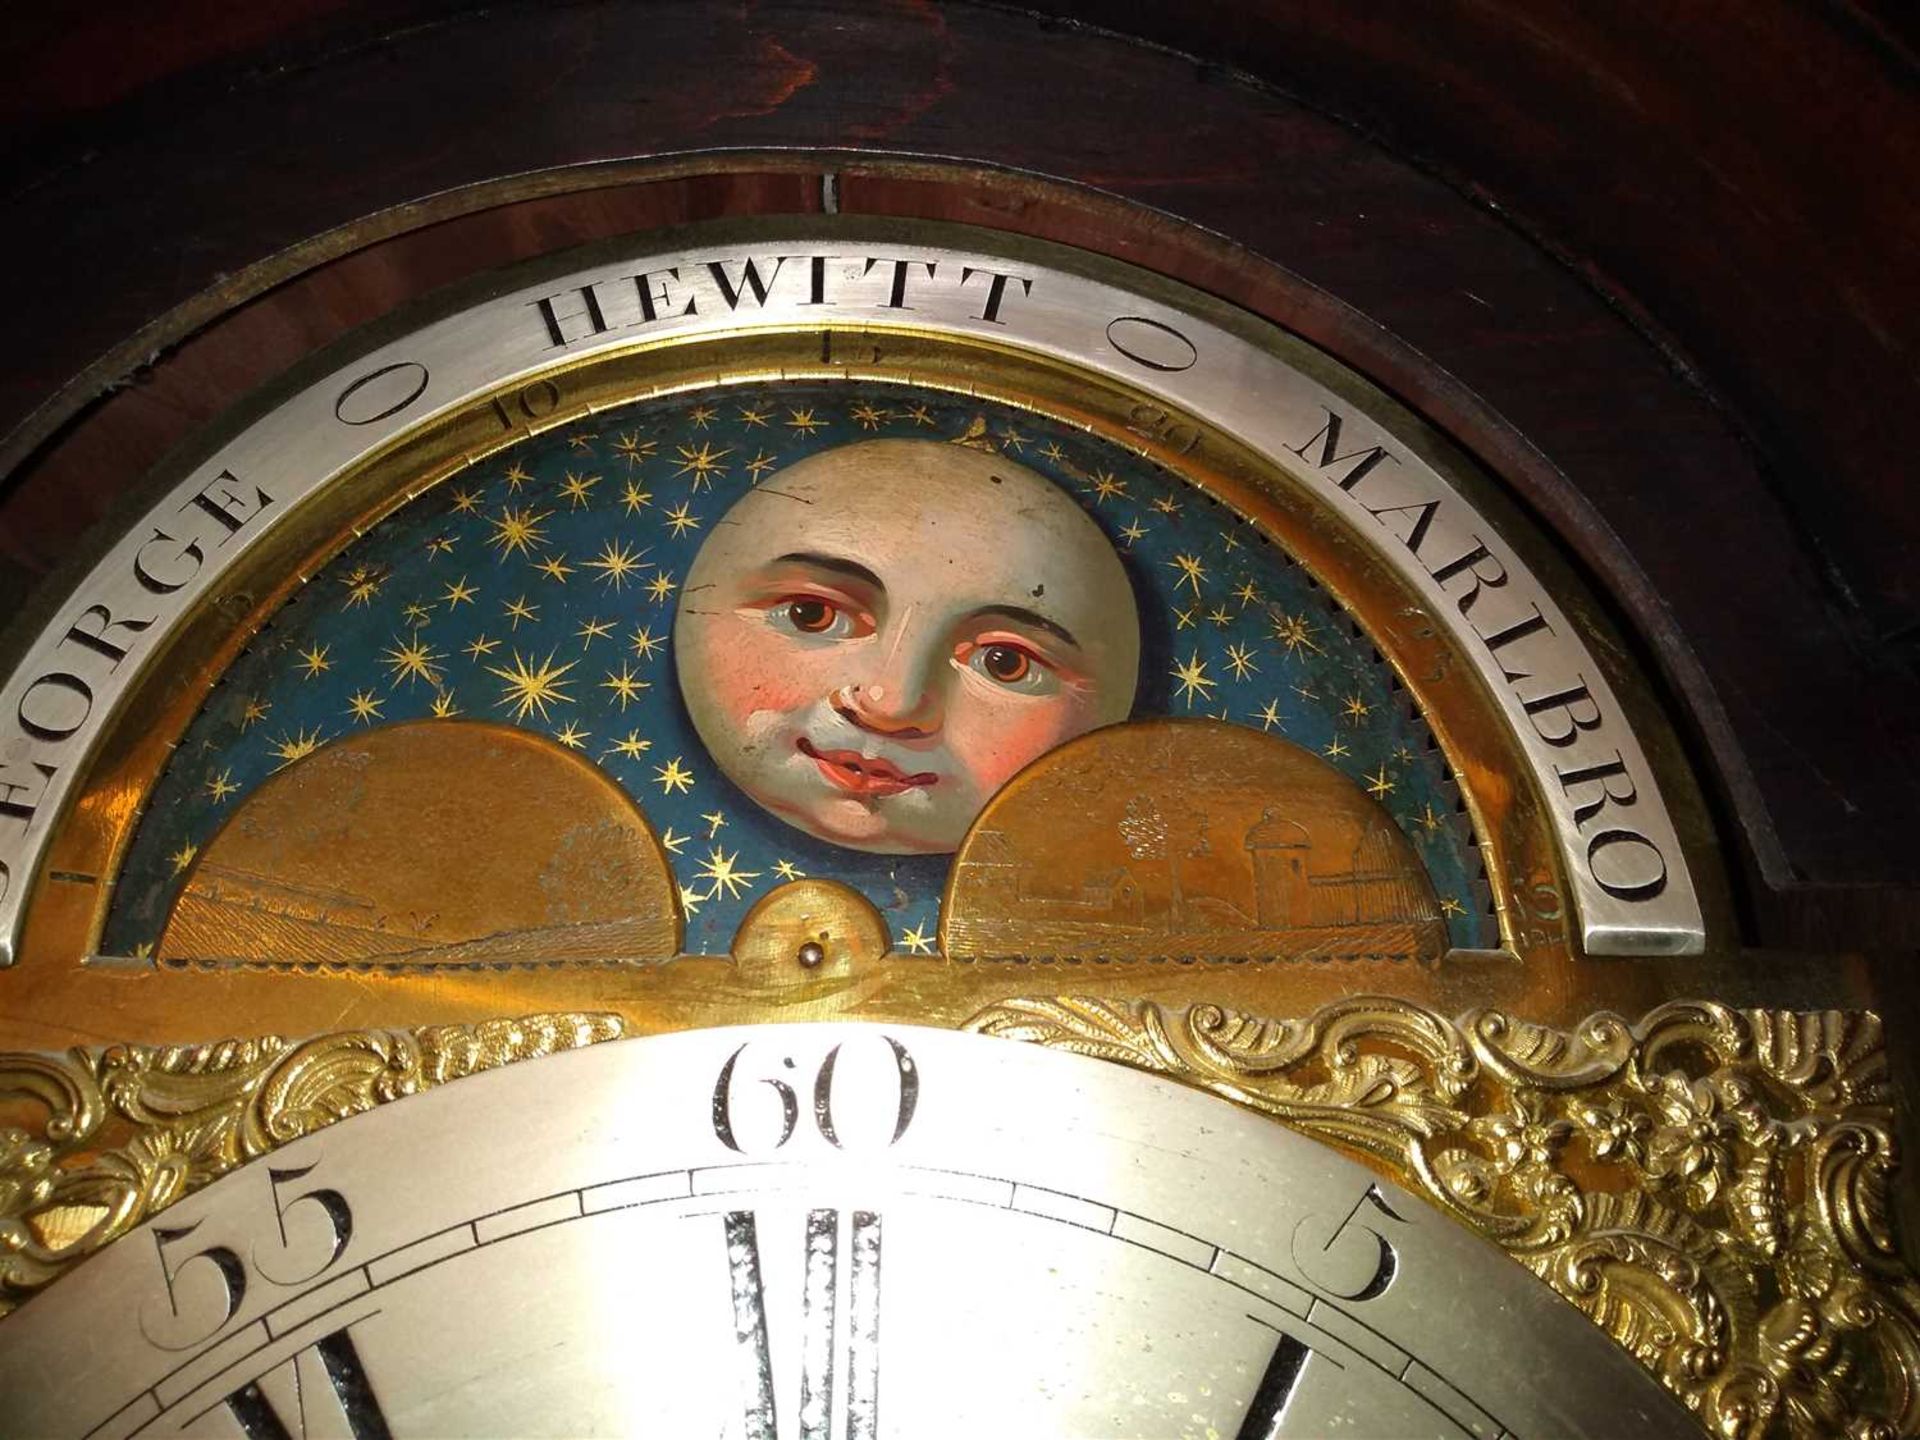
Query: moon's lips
863,774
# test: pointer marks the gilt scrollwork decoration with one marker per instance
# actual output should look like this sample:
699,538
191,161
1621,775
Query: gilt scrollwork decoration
1709,1185
116,1135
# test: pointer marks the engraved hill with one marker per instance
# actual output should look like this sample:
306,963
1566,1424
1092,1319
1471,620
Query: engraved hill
430,843
1189,838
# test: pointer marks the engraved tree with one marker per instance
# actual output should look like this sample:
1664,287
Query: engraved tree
1143,829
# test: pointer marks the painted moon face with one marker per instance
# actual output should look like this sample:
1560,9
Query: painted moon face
875,640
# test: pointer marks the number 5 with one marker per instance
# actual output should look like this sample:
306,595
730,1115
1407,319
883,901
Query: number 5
331,1203
226,1263
1386,1261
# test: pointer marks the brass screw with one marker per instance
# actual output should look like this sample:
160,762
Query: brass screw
812,955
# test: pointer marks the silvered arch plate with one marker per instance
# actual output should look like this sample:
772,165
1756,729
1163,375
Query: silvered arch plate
1589,776
812,1232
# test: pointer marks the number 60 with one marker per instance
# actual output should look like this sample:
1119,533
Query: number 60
908,1072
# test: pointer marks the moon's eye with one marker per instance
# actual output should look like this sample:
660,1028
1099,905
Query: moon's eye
810,616
1005,664
818,617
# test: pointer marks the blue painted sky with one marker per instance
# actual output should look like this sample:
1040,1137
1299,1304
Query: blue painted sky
565,554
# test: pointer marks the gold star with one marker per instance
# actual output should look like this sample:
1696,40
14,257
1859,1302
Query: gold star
515,478
315,661
529,689
1270,716
1247,594
362,585
254,710
1192,572
1052,451
481,646
645,643
554,567
751,416
919,414
1240,661
633,497
681,520
715,819
702,465
632,449
592,630
626,686
759,465
787,870
728,880
661,586
465,502
917,941
1233,541
1379,785
1451,906
1166,505
296,746
582,441
520,610
1013,439
672,843
459,593
439,546
690,900
1193,680
1429,820
363,707
412,661
1106,487
518,530
578,488
183,857
803,421
673,777
615,563
1296,633
633,747
1219,616
1133,530
1336,749
443,706
220,786
573,737
1355,709
1183,619
1305,692
868,418
702,415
